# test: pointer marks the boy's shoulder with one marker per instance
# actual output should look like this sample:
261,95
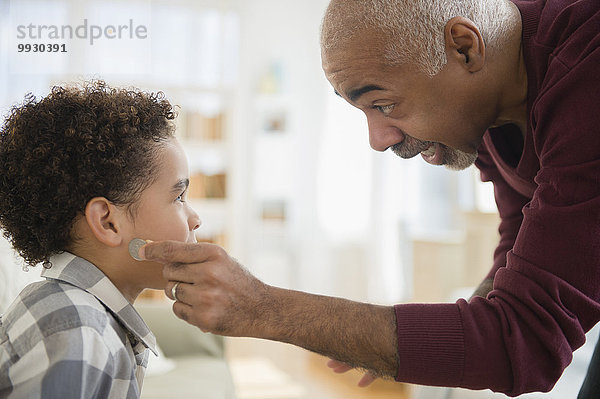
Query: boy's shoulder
54,328
49,307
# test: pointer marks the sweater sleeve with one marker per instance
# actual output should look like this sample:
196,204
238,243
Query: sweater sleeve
521,337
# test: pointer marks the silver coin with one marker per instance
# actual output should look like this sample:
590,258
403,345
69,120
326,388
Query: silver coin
134,248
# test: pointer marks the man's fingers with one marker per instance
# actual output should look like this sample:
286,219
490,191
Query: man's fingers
175,290
366,380
183,311
179,272
178,252
338,367
186,313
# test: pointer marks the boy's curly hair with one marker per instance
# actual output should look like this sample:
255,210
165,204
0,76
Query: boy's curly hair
71,146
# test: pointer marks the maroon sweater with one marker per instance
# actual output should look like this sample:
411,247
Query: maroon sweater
546,270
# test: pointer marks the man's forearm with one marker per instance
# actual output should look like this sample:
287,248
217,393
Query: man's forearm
362,335
217,294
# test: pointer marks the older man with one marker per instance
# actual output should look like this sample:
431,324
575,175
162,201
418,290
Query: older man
511,87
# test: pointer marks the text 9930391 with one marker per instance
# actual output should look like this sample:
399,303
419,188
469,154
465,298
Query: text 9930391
41,48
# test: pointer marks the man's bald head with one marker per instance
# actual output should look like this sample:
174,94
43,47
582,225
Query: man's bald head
411,31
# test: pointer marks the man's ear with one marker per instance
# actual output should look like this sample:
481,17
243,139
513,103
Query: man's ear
464,43
105,221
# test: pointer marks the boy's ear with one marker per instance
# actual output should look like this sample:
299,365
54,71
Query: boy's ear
105,221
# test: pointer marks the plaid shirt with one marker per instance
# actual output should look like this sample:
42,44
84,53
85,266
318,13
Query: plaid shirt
73,336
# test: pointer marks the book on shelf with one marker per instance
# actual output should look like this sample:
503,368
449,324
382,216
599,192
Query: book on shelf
203,127
208,186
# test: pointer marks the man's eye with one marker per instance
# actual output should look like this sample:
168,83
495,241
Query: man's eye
384,109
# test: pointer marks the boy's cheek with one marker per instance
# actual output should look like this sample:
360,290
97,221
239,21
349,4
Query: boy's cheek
172,230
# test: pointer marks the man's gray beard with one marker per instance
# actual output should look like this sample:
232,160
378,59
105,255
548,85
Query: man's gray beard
453,159
458,160
410,147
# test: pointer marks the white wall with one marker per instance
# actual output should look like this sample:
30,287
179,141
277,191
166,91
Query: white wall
285,33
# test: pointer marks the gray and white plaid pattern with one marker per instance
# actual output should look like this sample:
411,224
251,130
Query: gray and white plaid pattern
73,336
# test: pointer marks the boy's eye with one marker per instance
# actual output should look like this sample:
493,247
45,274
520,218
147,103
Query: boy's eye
181,197
384,109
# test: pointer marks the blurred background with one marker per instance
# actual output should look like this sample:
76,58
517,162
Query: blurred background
282,173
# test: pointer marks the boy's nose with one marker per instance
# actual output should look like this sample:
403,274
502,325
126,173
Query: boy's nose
194,220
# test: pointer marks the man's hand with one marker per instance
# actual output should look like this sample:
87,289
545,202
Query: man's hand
218,295
339,367
215,292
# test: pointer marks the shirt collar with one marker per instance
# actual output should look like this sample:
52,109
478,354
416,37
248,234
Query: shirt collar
79,272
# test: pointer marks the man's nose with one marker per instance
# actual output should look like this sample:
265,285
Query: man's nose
382,135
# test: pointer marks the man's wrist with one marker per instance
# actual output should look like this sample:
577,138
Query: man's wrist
268,320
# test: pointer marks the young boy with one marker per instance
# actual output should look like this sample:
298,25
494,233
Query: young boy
83,172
